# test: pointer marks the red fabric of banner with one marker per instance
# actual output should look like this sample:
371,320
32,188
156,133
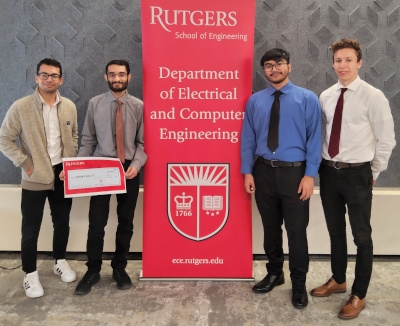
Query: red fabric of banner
197,74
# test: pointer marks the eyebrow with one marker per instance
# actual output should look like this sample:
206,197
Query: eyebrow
118,71
280,60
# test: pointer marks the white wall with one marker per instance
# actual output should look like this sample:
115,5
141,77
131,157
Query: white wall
385,224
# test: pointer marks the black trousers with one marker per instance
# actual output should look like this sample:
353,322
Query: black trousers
351,187
32,206
278,201
98,217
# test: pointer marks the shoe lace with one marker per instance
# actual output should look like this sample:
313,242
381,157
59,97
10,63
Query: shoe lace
298,290
32,280
351,299
87,277
121,273
63,266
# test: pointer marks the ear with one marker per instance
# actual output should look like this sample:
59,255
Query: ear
36,79
290,67
105,77
129,77
359,63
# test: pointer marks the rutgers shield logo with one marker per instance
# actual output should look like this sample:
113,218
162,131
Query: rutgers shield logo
198,199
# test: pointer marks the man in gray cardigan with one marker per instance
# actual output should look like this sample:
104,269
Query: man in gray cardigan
45,124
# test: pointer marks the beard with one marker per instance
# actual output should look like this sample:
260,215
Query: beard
118,86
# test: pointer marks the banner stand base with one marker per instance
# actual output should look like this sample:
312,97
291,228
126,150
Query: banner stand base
225,279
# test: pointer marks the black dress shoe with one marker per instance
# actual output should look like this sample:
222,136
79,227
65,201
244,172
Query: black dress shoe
86,283
122,278
268,283
299,297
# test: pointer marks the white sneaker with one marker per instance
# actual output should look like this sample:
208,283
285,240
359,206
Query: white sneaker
32,286
62,268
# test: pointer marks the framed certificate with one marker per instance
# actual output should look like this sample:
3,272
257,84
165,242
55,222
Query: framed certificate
88,176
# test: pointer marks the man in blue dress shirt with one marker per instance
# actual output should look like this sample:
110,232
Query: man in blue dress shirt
282,175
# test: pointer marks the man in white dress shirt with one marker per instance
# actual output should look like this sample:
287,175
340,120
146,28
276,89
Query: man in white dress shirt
363,131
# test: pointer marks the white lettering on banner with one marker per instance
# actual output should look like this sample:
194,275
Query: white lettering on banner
180,75
163,115
181,135
189,36
187,114
185,93
197,261
220,37
196,18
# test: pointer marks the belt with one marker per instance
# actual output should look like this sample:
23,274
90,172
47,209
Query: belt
278,164
342,165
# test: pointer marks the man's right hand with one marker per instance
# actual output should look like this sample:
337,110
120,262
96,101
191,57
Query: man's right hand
249,183
29,171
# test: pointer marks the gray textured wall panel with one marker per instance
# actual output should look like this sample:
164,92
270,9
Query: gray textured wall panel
84,35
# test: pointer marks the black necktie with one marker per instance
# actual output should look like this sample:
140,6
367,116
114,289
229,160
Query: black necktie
273,131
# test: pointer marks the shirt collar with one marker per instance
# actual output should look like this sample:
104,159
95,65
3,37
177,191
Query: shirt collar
352,86
55,103
112,98
285,89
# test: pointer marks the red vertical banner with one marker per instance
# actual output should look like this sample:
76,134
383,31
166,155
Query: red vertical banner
197,75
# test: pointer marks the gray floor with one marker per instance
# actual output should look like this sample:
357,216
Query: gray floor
188,302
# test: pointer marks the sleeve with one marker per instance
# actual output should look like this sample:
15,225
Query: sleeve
140,157
323,119
88,137
248,140
10,130
314,135
383,127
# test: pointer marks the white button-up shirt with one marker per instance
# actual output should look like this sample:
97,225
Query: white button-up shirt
367,133
53,133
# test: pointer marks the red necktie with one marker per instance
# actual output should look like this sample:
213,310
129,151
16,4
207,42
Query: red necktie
333,149
119,132
273,131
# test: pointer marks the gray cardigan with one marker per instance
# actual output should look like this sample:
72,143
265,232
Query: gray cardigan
24,120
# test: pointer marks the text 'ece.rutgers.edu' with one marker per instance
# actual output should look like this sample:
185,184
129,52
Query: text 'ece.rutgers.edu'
198,261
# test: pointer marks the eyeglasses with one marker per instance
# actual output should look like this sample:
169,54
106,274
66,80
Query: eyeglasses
278,66
45,76
120,75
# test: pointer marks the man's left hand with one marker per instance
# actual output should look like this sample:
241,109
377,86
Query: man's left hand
306,188
131,172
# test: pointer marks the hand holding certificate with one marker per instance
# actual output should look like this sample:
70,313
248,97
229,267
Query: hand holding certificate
87,176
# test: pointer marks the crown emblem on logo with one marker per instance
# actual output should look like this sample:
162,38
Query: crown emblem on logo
183,202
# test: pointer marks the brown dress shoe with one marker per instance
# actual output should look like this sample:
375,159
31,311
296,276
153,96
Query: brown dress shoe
328,288
352,308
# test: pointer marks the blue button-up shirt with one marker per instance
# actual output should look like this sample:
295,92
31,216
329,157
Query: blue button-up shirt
299,128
